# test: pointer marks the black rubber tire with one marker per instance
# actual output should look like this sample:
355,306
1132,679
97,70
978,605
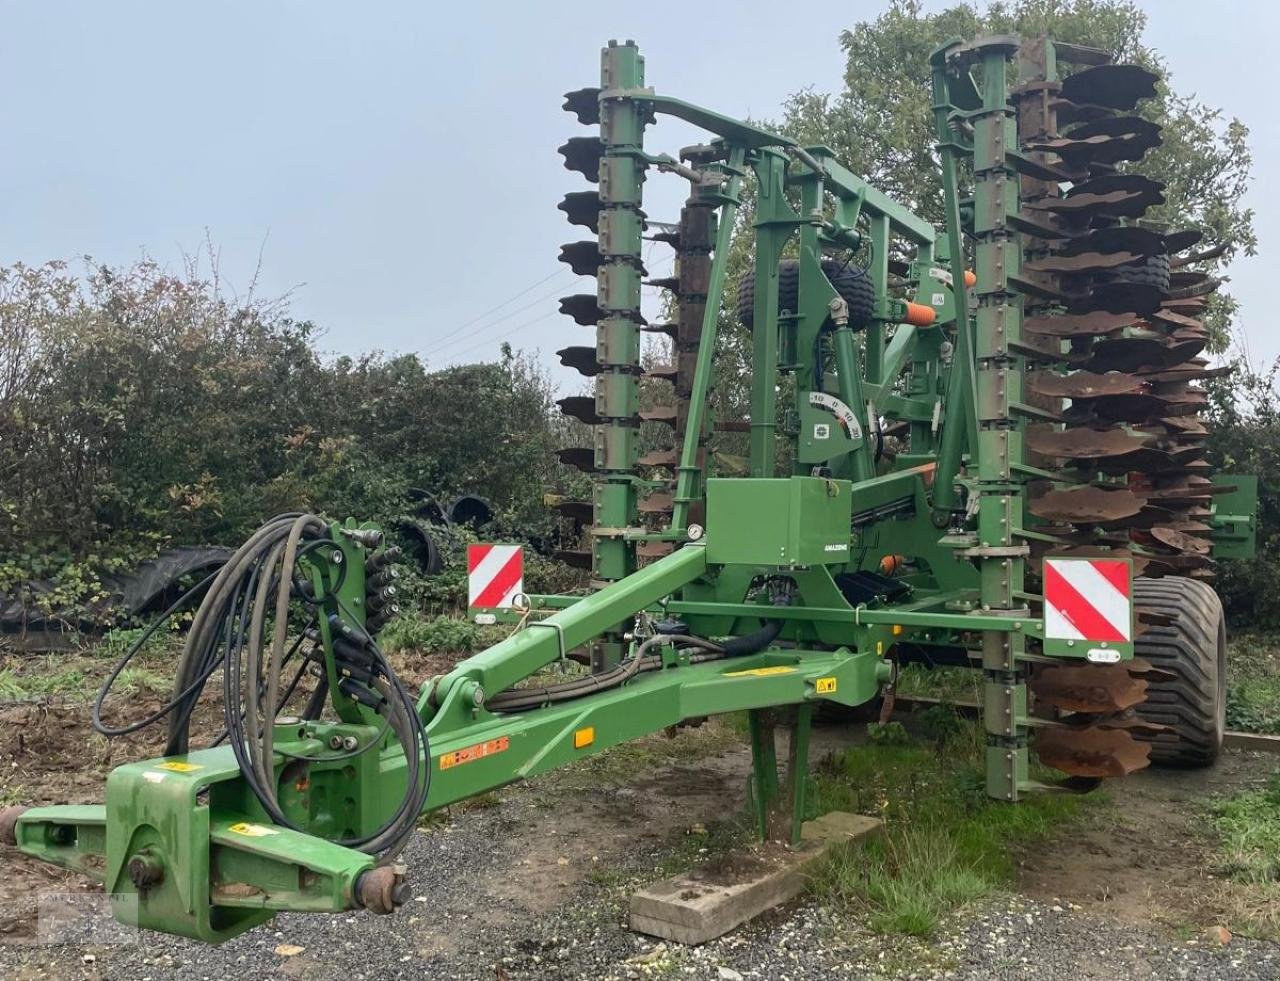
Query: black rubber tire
1153,270
851,282
1194,649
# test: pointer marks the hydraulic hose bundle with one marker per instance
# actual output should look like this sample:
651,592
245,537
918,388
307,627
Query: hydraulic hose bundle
524,699
243,626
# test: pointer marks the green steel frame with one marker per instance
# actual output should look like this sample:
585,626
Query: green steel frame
212,863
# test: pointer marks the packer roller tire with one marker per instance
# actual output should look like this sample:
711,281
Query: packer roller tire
851,282
1193,648
1152,270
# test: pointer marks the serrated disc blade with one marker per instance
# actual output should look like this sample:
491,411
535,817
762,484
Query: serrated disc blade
1118,87
580,457
1181,541
1083,687
664,413
659,502
654,550
582,257
1080,263
585,104
582,307
580,407
1091,752
577,510
582,208
1086,504
1082,384
581,358
573,558
659,458
1080,325
582,154
1084,444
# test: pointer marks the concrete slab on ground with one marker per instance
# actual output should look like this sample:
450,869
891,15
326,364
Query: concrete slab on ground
718,896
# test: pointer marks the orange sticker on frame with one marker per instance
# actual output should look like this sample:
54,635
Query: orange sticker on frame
472,753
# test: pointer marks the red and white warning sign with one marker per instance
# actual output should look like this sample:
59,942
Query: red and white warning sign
1088,599
495,575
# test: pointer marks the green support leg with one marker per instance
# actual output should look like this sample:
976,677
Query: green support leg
764,768
798,768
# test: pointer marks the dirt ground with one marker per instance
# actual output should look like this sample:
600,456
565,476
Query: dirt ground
1144,860
1149,858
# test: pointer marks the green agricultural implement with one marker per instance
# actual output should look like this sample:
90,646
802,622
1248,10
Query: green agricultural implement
974,446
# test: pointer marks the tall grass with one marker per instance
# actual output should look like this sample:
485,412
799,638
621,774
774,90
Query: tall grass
944,842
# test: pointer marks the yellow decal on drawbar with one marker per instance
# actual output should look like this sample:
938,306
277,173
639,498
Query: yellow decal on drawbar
251,830
761,672
472,753
179,767
825,686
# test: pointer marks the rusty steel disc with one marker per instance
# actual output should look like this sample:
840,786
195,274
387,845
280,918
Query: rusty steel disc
585,104
583,308
665,414
582,208
1123,126
1138,407
1091,752
581,457
663,372
582,408
1181,541
1129,354
1084,687
581,358
1086,504
1113,202
583,155
1152,192
1084,262
1172,319
659,502
1084,444
654,550
1118,87
1149,459
659,458
1083,384
1183,239
577,510
1119,296
1079,325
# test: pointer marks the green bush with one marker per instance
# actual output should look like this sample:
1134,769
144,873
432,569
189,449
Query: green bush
1244,424
139,408
417,634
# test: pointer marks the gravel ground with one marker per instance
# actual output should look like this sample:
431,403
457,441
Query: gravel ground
471,920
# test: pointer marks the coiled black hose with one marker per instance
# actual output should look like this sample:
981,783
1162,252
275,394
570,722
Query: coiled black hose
242,625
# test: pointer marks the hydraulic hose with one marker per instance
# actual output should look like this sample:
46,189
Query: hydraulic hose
753,642
243,625
523,699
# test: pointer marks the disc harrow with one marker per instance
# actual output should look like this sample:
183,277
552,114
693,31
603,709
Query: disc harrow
1117,309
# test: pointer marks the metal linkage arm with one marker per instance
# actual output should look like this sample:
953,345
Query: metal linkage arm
543,642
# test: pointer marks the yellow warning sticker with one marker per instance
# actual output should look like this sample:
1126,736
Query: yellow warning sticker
472,753
825,686
252,830
179,767
761,672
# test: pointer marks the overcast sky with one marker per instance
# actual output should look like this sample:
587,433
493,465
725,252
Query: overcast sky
394,163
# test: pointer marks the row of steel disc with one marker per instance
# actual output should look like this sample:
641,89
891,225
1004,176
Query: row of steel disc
1113,324
691,239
